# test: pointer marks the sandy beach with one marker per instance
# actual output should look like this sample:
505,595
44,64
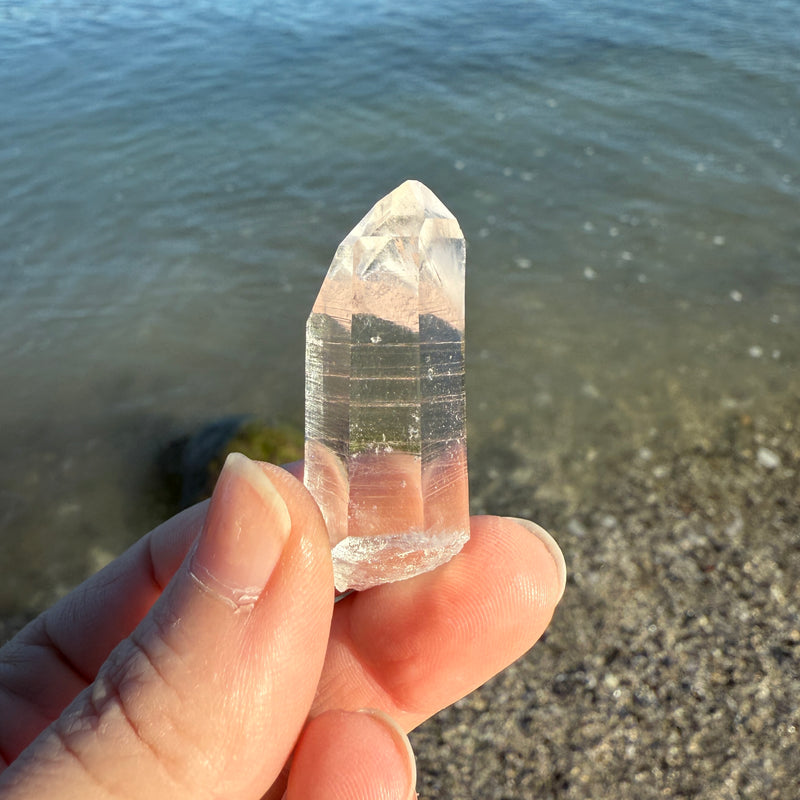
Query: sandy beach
672,664
671,667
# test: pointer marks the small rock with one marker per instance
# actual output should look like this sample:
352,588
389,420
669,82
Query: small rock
590,390
575,527
767,458
190,465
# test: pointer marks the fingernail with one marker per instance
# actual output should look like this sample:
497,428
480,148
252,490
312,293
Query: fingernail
552,547
246,528
403,744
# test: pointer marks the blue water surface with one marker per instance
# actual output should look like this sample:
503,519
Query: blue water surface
176,176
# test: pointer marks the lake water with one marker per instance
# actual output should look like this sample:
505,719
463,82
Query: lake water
176,176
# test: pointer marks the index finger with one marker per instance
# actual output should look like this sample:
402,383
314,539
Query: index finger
414,647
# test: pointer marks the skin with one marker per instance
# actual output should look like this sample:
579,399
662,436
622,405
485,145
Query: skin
209,660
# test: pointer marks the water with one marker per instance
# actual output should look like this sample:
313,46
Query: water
176,177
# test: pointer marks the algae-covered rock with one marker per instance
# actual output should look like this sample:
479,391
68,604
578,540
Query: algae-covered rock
278,444
191,464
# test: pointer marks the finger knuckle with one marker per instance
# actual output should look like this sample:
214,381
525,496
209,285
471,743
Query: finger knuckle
134,708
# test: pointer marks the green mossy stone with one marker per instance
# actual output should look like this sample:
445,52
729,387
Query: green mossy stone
189,466
280,444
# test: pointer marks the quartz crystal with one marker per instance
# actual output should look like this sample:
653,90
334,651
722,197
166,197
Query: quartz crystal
385,408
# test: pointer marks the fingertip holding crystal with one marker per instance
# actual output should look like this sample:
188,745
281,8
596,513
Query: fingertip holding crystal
385,405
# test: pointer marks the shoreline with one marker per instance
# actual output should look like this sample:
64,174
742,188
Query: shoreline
671,666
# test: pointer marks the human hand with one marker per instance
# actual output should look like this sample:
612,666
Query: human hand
190,666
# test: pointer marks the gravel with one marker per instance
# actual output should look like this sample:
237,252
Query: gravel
672,666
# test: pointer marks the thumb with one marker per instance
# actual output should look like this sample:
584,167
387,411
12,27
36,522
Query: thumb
209,693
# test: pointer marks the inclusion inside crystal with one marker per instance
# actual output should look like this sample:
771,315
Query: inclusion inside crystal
385,406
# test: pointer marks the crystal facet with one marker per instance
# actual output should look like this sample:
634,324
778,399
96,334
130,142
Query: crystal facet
385,408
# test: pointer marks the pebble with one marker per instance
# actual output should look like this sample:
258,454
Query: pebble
576,528
768,459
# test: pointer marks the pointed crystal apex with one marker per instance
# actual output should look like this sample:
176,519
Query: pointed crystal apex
385,405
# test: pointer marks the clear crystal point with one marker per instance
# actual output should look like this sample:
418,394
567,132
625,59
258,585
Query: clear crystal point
385,407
